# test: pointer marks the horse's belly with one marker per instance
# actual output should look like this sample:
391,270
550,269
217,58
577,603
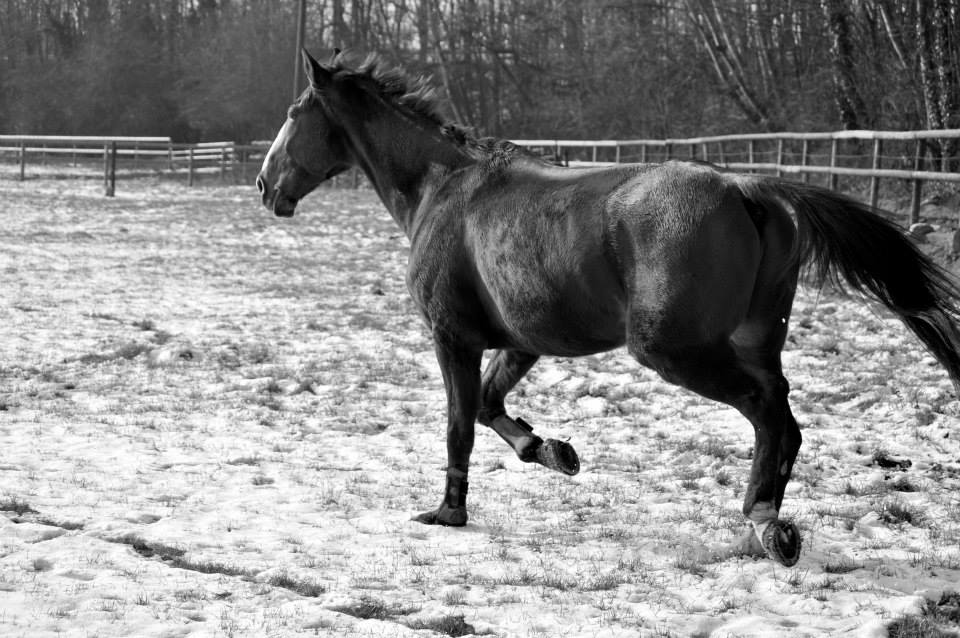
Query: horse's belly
557,335
550,284
574,321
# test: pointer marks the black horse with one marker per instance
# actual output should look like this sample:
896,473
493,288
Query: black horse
691,267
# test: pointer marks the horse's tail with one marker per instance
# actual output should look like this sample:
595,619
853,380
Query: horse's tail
842,240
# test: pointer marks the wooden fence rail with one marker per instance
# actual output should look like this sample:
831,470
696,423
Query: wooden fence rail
872,155
159,153
902,155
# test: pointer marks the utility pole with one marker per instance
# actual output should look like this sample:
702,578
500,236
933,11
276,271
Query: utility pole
297,62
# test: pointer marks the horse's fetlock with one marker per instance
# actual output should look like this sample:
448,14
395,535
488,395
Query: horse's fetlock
455,493
760,511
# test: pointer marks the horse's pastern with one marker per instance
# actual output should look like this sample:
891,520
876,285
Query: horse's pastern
447,516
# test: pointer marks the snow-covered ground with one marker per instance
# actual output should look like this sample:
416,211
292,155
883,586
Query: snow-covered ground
218,423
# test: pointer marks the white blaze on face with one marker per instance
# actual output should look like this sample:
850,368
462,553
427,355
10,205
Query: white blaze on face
275,147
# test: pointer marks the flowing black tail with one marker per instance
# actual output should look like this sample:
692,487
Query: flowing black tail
844,241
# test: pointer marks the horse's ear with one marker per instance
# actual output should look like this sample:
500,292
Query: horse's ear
317,74
333,58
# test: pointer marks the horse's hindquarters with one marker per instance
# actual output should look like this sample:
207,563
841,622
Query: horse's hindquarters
693,252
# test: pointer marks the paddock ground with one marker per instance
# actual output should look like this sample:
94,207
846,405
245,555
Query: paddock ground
218,423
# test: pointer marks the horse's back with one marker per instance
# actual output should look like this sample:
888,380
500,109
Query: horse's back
571,261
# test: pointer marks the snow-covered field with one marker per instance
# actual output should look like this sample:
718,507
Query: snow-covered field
218,423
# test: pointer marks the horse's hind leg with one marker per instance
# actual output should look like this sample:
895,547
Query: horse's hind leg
504,371
758,342
718,371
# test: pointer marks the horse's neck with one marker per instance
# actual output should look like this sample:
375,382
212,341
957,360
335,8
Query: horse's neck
402,161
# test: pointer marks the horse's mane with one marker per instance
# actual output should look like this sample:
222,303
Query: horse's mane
418,96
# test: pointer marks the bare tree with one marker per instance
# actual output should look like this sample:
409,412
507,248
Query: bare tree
852,108
739,51
539,68
937,46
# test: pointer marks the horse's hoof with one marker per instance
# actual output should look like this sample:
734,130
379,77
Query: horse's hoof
782,541
443,515
559,456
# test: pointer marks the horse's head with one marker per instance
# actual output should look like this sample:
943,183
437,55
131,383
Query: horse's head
308,150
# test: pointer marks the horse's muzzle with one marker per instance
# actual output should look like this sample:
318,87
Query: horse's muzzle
284,206
275,200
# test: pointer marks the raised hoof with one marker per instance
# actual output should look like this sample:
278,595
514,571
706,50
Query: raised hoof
782,541
443,515
559,456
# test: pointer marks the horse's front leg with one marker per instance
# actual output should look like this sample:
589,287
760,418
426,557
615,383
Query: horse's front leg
504,371
460,366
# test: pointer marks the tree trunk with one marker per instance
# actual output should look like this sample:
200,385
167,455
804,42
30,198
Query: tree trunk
853,110
339,27
727,60
936,49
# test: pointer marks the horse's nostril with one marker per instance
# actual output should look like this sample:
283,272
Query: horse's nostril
260,185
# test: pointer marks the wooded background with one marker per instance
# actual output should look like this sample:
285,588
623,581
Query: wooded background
223,69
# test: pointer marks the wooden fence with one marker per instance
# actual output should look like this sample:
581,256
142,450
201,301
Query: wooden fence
872,155
867,155
220,159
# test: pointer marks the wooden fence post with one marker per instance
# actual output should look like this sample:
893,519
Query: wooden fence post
779,156
223,164
805,159
750,154
723,155
113,168
643,153
110,169
106,169
874,180
190,166
616,156
23,160
833,181
917,184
